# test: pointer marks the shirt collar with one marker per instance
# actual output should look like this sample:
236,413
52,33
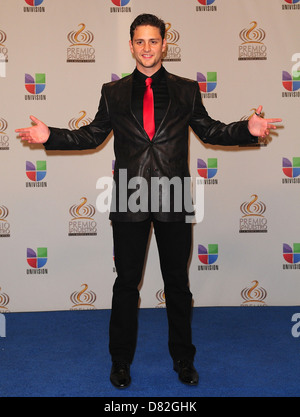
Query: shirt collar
157,77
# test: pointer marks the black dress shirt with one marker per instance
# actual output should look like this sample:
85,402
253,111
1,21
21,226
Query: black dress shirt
160,93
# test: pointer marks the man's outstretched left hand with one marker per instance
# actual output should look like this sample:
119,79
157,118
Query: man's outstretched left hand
261,127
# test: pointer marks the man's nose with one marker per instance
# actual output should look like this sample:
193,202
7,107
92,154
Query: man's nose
147,46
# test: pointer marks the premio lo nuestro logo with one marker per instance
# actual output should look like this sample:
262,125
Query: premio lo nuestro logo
291,255
291,169
36,173
254,296
173,50
82,222
34,6
37,260
84,299
81,48
4,138
252,47
206,6
35,86
121,6
208,257
4,225
208,170
3,126
3,48
4,300
253,220
207,84
83,120
161,297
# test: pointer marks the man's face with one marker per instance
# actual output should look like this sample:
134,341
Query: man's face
147,47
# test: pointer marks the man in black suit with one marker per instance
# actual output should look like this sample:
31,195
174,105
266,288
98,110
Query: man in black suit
152,156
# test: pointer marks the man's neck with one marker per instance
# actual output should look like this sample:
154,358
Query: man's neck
148,71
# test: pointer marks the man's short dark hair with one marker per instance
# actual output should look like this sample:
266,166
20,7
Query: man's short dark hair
148,20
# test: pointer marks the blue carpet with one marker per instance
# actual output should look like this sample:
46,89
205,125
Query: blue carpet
241,352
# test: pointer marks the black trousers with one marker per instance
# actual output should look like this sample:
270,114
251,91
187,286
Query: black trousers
130,245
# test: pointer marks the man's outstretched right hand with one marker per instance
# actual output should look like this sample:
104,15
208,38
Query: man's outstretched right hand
39,133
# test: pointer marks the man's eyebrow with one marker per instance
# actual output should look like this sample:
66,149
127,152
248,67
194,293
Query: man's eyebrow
151,39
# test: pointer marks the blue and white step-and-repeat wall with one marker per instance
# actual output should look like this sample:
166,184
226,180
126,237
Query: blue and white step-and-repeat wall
56,248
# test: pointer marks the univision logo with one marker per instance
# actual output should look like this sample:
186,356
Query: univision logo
120,3
36,173
291,80
292,5
120,6
207,84
291,255
37,260
206,6
208,170
34,2
208,257
35,6
116,77
35,86
206,2
291,170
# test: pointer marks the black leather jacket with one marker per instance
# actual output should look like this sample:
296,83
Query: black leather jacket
166,156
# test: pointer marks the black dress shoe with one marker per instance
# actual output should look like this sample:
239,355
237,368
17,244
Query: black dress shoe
120,374
186,372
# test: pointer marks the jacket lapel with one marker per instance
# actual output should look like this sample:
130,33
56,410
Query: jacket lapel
171,100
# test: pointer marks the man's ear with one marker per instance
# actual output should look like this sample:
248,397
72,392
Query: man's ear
164,48
130,46
164,45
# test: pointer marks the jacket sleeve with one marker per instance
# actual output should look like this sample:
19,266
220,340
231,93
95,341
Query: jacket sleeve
215,132
86,137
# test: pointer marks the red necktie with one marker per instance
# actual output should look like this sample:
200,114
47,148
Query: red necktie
148,109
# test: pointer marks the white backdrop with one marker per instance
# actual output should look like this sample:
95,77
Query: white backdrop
239,50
